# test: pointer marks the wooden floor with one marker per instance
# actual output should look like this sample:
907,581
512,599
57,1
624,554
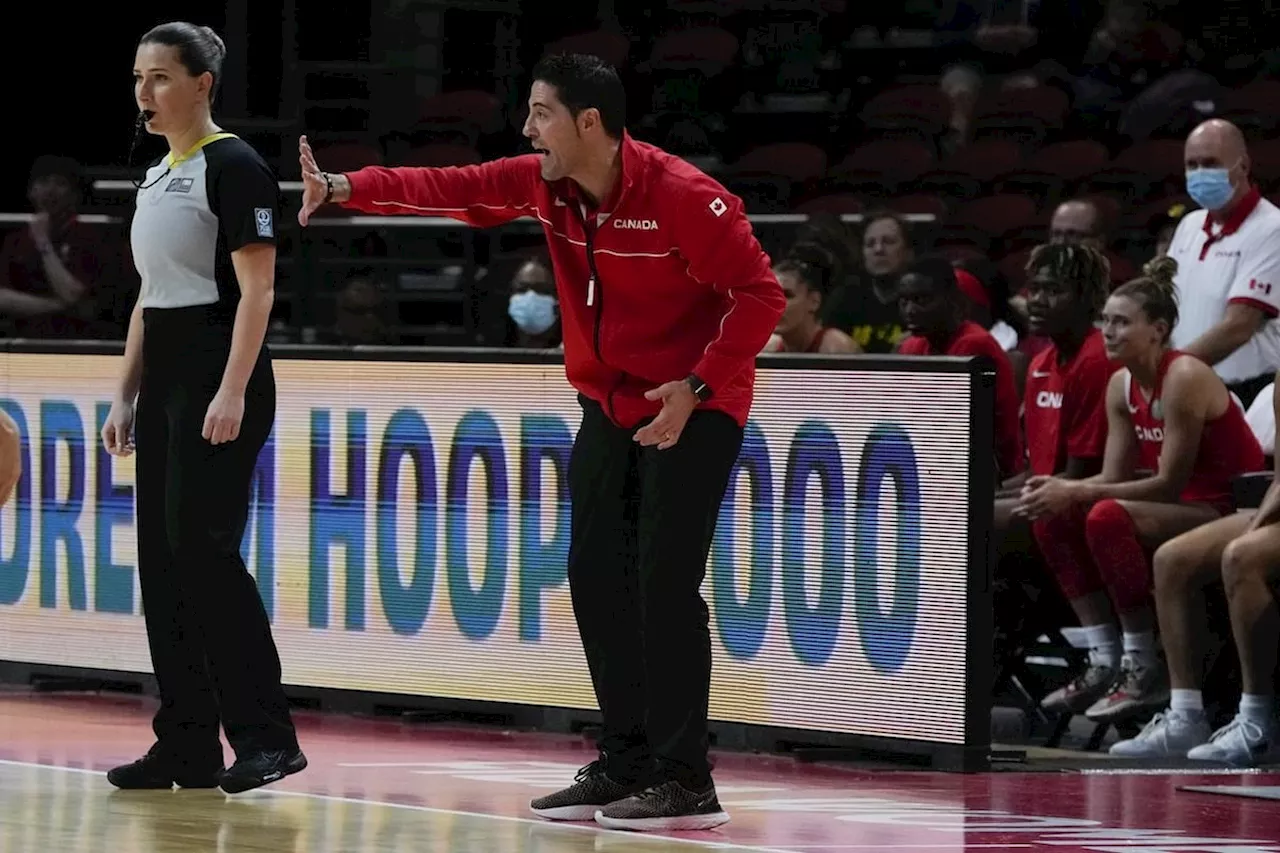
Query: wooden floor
383,787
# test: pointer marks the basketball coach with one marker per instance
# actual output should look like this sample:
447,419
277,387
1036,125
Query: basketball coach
666,296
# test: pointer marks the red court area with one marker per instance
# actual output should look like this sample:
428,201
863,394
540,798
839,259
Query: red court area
483,780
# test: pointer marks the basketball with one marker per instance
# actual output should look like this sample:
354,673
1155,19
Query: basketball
10,456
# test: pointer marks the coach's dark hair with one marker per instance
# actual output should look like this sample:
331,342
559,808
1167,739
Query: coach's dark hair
200,49
1080,265
1155,291
584,82
811,263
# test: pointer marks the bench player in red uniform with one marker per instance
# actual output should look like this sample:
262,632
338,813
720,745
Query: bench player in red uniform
1176,439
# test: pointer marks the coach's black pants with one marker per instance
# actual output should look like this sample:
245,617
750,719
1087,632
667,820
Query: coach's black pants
211,644
642,523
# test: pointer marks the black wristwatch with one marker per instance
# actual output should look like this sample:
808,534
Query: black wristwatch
700,389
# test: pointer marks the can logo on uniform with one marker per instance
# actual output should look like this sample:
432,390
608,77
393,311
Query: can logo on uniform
262,215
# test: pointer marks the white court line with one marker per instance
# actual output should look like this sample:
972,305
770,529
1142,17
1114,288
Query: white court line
728,846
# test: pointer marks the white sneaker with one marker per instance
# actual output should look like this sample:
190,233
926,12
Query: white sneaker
1168,735
1240,743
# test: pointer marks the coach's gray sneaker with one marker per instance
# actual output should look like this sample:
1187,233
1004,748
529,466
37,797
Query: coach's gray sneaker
669,806
591,790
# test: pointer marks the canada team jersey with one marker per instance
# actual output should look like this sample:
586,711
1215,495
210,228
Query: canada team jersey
972,339
1065,406
1228,448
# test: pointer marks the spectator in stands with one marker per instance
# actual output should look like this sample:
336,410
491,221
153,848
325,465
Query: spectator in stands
1228,256
933,312
50,272
1243,550
1168,415
360,314
805,275
1078,221
533,308
868,306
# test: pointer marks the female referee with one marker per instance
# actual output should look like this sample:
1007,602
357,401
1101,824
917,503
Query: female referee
203,239
1170,416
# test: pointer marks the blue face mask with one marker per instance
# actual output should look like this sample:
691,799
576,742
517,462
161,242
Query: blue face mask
533,312
1210,188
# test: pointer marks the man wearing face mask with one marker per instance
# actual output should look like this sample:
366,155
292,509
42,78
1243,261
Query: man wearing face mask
1228,255
533,307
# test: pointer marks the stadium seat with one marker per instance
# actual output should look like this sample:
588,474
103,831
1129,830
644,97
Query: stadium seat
1255,107
348,156
1053,170
881,167
1247,489
1142,170
964,174
799,161
1025,115
468,112
837,203
920,111
612,47
441,154
709,49
997,215
919,203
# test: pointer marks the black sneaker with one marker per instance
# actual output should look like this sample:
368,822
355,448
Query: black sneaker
592,789
159,771
261,768
669,806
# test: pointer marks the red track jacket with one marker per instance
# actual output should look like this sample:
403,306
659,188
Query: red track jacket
666,279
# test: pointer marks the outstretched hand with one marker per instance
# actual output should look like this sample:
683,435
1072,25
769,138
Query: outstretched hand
314,186
678,402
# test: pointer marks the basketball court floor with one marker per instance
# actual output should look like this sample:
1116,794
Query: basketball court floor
385,787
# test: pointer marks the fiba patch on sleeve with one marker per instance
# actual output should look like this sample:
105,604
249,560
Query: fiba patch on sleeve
262,216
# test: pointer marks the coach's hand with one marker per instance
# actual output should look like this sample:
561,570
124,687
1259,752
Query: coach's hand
678,402
314,186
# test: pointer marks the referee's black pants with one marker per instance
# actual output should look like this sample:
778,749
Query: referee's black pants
642,524
211,646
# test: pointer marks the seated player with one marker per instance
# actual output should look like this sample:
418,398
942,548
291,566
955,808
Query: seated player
1064,409
805,275
1243,549
933,312
1169,414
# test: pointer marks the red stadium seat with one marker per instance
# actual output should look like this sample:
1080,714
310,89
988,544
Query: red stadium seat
882,165
997,215
798,161
612,47
1142,170
441,154
1022,114
919,203
923,110
347,156
697,47
964,173
1255,106
835,203
467,109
